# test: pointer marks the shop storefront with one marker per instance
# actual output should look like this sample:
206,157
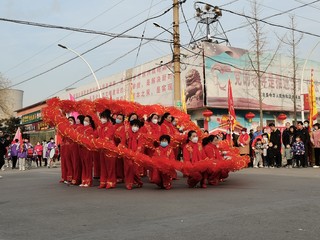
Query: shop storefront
31,122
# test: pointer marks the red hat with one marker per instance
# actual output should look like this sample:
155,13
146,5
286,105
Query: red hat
243,129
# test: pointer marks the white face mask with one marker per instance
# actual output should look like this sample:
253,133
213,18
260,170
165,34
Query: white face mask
306,125
71,122
243,132
135,129
195,139
103,120
85,123
155,121
174,123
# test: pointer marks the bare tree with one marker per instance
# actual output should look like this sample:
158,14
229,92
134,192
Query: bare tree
293,41
257,50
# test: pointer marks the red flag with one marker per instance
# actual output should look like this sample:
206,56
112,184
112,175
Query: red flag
18,135
232,114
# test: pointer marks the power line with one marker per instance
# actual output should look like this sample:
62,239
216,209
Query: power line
313,20
310,5
36,54
274,15
184,17
143,32
272,24
91,49
82,43
81,30
104,66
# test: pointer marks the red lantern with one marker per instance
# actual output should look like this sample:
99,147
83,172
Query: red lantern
249,116
282,117
207,114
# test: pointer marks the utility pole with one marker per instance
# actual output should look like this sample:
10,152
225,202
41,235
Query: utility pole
176,55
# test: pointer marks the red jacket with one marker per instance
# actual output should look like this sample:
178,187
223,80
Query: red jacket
212,151
166,152
193,152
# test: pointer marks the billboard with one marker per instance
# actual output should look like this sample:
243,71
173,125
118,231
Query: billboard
277,87
150,83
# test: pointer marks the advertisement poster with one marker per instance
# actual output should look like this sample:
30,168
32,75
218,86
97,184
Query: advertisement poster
223,63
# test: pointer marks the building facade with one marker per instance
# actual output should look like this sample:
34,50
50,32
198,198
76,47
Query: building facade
34,127
205,71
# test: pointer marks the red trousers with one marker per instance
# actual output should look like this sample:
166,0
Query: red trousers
63,163
162,180
66,162
76,163
87,165
108,177
131,174
119,168
196,178
96,165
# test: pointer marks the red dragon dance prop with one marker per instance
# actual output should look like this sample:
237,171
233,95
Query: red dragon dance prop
55,115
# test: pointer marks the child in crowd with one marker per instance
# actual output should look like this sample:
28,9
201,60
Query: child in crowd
258,150
265,145
288,155
298,150
164,150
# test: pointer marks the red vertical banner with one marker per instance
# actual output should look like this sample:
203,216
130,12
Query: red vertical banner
306,105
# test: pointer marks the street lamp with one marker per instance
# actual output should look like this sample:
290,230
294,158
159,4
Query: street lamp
301,82
94,76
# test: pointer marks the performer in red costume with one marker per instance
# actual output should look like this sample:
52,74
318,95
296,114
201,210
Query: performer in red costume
166,126
193,153
66,156
151,131
75,154
244,144
164,150
119,162
133,141
210,146
87,155
108,177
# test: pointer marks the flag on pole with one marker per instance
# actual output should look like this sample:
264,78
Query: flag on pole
312,101
232,114
183,100
74,114
18,136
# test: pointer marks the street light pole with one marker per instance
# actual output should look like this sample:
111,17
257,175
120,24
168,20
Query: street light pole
94,76
176,55
301,82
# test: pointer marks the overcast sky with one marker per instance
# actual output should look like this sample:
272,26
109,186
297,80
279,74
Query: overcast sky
27,51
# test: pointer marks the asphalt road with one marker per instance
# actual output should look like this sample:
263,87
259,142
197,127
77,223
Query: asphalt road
251,204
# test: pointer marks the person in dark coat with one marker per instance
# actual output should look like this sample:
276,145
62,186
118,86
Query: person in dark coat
4,143
305,138
275,139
